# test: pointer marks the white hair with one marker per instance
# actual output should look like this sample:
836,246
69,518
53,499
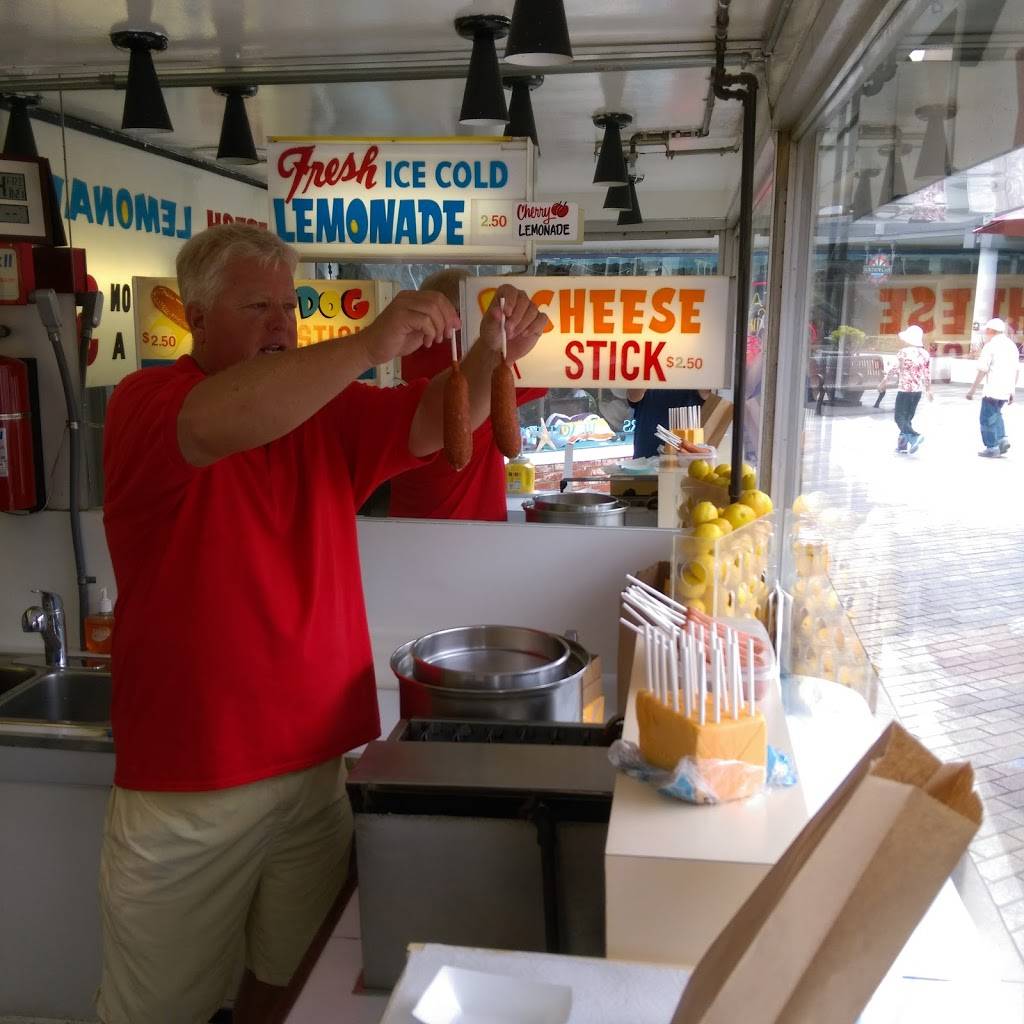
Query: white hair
203,258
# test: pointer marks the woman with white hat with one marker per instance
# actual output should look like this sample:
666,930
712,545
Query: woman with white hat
913,375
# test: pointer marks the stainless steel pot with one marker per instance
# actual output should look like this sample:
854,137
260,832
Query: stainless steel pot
489,657
576,508
557,701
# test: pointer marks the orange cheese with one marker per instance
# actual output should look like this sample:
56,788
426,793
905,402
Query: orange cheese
667,736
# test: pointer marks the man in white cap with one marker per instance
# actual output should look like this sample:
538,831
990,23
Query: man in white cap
913,372
998,367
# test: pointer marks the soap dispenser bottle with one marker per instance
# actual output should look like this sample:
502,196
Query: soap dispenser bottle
99,627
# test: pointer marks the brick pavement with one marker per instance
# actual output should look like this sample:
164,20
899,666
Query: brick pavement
928,554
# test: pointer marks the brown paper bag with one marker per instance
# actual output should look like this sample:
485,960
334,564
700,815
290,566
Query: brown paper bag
655,576
716,416
817,936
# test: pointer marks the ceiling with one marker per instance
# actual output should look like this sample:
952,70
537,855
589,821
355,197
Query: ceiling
45,41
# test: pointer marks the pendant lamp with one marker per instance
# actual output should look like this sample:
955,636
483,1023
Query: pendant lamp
520,108
539,36
483,102
236,142
894,181
863,202
611,164
632,215
617,198
20,140
144,107
933,160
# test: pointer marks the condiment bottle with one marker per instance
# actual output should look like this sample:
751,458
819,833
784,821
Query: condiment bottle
520,476
99,627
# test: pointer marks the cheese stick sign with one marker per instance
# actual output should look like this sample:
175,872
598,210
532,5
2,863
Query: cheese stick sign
618,332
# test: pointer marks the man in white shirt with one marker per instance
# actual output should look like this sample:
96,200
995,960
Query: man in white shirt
998,367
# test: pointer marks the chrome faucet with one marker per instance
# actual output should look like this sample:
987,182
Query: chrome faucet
49,622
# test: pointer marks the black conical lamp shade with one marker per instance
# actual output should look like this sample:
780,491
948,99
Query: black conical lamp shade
894,181
20,139
521,123
632,215
863,202
236,142
539,36
483,102
144,107
611,164
617,198
933,160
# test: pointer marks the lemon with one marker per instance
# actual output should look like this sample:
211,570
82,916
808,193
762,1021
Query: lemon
723,524
739,515
749,481
696,605
703,512
758,501
723,469
693,580
800,505
699,469
706,535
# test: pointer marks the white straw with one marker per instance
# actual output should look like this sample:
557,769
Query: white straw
737,678
702,692
504,344
751,699
654,592
648,613
666,662
686,673
649,658
657,613
629,625
716,685
673,672
455,351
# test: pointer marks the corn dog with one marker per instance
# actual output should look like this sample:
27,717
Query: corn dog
458,437
168,302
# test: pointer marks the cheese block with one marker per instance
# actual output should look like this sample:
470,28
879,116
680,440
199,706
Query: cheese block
667,736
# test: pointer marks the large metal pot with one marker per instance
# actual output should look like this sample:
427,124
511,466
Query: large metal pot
576,508
557,701
489,657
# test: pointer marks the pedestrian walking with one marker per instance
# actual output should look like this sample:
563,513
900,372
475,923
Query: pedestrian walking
999,369
913,373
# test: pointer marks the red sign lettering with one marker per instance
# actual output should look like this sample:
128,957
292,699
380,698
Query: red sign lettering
297,166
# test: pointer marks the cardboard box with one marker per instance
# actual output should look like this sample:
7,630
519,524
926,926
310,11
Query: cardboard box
716,418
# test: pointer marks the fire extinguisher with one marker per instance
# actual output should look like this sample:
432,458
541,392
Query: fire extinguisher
22,478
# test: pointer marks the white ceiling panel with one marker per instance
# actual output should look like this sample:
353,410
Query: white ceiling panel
44,39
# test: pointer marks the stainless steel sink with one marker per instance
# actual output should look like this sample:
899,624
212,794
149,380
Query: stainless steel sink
14,675
60,695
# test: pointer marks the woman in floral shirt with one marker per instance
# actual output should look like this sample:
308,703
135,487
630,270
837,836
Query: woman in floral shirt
913,373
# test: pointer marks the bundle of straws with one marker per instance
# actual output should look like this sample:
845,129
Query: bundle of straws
697,667
686,418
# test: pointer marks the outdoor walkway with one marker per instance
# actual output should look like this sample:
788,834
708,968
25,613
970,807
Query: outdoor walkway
928,551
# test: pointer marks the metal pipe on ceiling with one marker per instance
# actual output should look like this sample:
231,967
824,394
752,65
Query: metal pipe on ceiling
385,68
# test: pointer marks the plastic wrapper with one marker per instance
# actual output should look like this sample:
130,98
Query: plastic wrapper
705,781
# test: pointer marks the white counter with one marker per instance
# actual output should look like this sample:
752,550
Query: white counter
675,873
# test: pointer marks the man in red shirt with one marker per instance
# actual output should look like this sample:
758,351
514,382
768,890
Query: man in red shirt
435,490
241,660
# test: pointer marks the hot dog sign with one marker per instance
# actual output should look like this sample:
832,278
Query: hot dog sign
324,310
619,332
456,200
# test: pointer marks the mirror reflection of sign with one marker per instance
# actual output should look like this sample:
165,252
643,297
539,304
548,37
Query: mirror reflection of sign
652,332
878,267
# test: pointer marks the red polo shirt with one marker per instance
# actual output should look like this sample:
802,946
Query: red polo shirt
241,648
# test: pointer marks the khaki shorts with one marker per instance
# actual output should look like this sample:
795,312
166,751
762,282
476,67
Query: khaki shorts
192,882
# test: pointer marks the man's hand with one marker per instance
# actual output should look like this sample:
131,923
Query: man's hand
411,320
970,394
524,322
